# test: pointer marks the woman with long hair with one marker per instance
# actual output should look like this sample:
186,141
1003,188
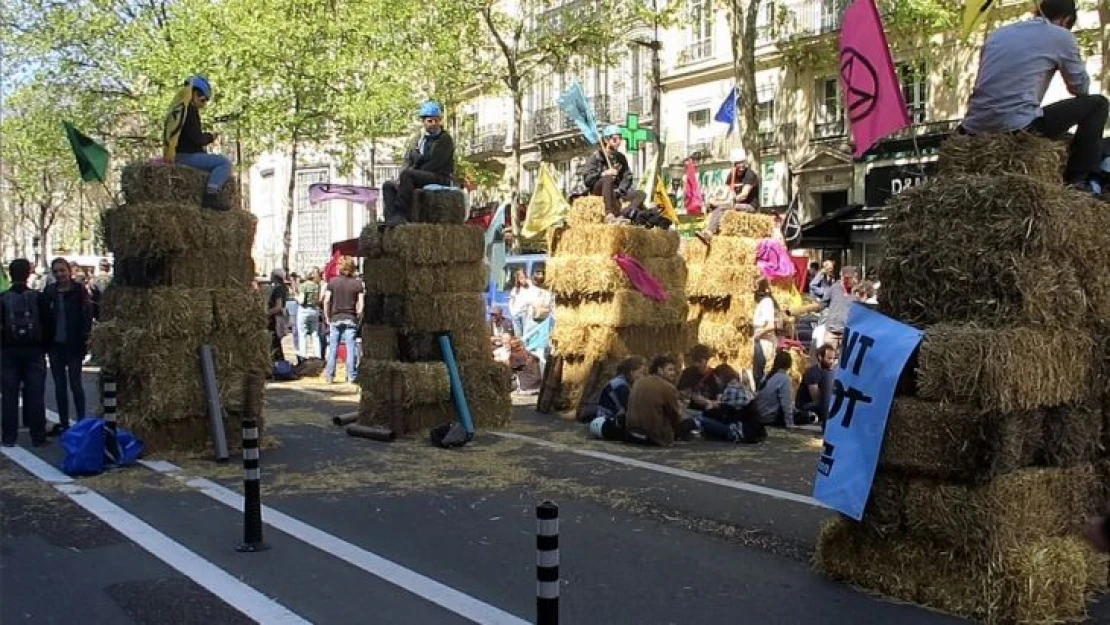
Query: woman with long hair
520,298
774,401
71,309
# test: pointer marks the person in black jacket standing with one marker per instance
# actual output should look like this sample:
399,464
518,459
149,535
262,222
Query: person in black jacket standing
608,175
430,160
71,312
192,146
25,330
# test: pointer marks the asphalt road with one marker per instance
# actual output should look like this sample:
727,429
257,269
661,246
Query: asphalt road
366,532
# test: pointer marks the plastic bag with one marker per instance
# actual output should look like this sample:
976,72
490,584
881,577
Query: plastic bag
83,444
130,447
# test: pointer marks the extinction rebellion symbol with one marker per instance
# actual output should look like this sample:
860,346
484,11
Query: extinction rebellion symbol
861,81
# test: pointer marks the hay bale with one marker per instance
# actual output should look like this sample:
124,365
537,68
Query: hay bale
581,378
1004,370
957,442
786,293
598,274
733,344
435,244
175,228
996,154
1072,435
415,346
586,211
237,312
438,207
1043,580
994,249
748,225
379,343
167,313
718,280
216,269
144,183
458,313
594,341
612,239
423,382
621,308
395,276
486,385
370,241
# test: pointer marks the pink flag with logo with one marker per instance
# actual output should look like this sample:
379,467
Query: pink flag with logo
692,196
872,94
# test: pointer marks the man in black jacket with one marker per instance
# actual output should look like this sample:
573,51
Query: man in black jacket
608,175
25,331
430,160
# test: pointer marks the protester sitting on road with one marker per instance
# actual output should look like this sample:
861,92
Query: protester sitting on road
697,386
654,414
526,368
1016,65
733,418
71,308
774,400
192,146
25,330
812,402
607,174
837,301
430,160
612,404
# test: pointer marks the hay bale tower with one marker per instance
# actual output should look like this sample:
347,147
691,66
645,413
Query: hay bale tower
997,437
421,279
721,286
182,279
599,316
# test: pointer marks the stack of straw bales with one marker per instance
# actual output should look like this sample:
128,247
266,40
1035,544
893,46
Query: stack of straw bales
721,286
995,445
182,279
421,279
599,316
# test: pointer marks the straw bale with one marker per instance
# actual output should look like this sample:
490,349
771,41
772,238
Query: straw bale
995,154
610,239
487,387
167,229
167,313
886,506
995,249
395,276
586,211
597,274
722,279
370,241
458,313
1004,370
192,435
1043,580
785,293
1072,435
622,308
423,382
144,183
237,311
733,344
379,343
435,244
416,346
693,251
581,377
593,341
957,442
748,225
216,269
732,251
438,207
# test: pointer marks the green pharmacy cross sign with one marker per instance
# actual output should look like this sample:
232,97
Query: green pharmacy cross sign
633,134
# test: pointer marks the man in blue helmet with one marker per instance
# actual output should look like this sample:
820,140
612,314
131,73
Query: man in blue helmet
430,160
192,146
608,175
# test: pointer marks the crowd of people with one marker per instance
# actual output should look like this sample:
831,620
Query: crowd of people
514,330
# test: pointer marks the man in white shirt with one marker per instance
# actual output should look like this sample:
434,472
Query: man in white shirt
1015,67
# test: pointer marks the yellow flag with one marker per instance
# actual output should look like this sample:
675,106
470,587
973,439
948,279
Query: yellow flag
974,10
175,119
547,207
663,201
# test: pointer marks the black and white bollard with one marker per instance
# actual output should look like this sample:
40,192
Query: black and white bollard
547,564
252,476
108,402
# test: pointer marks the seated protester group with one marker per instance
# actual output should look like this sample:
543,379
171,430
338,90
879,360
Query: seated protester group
430,160
732,416
697,386
612,404
608,175
774,403
654,412
812,402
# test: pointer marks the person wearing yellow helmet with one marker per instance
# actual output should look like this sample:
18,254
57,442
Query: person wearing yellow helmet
607,174
430,160
193,142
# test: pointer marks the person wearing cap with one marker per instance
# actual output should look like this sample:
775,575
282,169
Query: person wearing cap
1016,65
192,146
742,187
607,174
430,160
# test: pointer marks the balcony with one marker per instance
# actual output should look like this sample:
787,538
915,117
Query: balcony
828,129
811,20
715,149
640,105
694,52
552,121
925,129
486,140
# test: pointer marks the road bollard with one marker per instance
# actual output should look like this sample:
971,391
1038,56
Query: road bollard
108,402
252,476
547,564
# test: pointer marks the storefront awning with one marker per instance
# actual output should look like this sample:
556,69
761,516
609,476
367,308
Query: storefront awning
830,231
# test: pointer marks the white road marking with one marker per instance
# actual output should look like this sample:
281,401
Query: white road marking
662,468
424,587
217,581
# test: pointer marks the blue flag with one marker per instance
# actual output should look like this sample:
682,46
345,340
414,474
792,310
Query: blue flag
726,114
574,104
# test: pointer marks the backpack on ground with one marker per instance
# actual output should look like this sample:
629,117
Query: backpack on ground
22,323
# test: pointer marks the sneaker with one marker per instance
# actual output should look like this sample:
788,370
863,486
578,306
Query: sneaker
212,200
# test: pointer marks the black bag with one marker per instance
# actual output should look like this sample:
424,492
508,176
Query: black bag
22,323
450,435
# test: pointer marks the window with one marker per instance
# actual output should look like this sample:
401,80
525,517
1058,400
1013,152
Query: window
831,13
915,90
313,241
698,131
765,111
829,118
699,32
765,23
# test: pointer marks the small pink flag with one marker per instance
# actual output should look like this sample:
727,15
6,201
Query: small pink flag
691,190
872,94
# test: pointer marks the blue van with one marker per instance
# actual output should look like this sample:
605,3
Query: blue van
498,293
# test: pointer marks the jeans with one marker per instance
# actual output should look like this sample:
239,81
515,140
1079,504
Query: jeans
22,369
345,331
65,368
397,195
291,308
1088,114
217,166
308,325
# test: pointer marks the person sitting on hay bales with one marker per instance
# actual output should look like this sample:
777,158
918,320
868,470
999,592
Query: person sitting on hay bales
612,403
741,192
697,386
734,418
192,145
654,414
1016,65
430,160
608,175
838,302
343,302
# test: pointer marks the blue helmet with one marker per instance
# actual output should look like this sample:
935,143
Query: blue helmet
200,82
430,108
610,130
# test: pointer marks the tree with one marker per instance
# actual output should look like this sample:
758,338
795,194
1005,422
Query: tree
743,15
656,14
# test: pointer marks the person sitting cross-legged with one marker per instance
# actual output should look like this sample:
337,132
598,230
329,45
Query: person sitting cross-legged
732,417
654,414
430,160
612,404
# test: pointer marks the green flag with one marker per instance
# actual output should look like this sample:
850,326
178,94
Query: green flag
92,158
5,284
